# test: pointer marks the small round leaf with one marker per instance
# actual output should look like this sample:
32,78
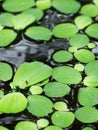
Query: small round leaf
91,80
87,114
43,4
62,56
17,5
84,56
82,21
79,40
92,68
7,36
67,75
38,33
62,119
13,103
3,128
5,71
6,19
26,125
62,30
52,127
92,30
89,10
56,89
88,96
39,105
66,6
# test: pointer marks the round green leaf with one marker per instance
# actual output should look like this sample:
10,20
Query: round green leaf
91,80
92,30
89,10
62,30
62,119
37,13
67,75
62,56
5,71
43,4
13,103
39,105
82,21
87,114
7,36
52,127
79,67
92,68
3,128
60,106
66,6
17,5
26,125
88,96
35,72
91,45
22,20
56,89
84,56
41,123
36,90
87,128
6,19
79,40
38,33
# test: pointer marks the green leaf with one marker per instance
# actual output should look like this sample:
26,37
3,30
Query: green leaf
67,75
79,40
52,127
87,128
92,68
22,20
87,114
5,71
56,89
89,10
3,128
79,67
36,90
88,96
60,106
17,5
6,19
26,125
13,103
66,6
38,33
35,72
62,56
41,123
7,36
62,119
82,21
92,30
37,13
39,105
43,4
62,30
84,56
91,80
